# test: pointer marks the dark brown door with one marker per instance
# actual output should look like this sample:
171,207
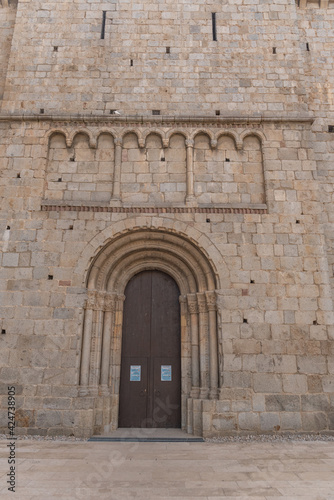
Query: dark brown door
150,387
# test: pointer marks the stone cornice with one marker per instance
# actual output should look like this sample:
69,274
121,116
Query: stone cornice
159,120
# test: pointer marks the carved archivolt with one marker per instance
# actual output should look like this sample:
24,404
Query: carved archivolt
113,267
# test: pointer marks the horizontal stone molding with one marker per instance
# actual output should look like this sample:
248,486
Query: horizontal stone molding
153,210
158,121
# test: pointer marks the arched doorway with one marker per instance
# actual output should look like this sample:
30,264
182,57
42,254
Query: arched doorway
111,270
150,382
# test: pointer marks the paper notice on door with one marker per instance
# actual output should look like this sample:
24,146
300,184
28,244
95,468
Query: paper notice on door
166,373
135,373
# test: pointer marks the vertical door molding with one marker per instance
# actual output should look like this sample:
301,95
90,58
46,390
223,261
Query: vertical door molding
203,345
86,342
213,342
109,311
195,371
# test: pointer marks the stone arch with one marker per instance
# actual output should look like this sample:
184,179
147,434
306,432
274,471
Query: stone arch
105,130
233,135
59,131
153,131
114,265
256,133
203,132
84,131
137,133
172,132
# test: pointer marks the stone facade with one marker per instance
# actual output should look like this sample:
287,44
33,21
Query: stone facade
229,190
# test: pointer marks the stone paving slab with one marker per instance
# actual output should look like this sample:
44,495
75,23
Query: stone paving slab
169,471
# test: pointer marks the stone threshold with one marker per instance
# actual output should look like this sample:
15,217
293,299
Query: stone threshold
149,435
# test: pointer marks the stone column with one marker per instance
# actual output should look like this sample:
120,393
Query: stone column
116,195
190,198
109,308
86,341
116,357
203,345
195,372
211,304
96,343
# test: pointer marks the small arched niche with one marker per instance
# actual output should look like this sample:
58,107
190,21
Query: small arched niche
111,270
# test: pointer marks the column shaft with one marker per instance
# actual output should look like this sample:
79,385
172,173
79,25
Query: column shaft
117,170
190,171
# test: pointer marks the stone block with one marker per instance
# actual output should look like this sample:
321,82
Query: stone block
266,382
48,418
295,384
249,421
314,422
280,403
291,421
269,422
315,402
311,364
224,423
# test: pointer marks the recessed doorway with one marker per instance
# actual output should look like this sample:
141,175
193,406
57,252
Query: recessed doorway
150,384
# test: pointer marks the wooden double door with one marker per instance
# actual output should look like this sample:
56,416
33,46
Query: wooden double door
150,385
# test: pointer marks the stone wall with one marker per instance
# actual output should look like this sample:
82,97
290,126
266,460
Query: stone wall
7,22
170,63
248,186
274,305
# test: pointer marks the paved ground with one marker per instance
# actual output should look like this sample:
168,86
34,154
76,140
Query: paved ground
187,471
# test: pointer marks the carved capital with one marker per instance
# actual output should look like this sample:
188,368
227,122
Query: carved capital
109,302
189,143
182,299
211,300
118,141
214,143
100,301
121,297
141,143
165,143
91,299
192,303
201,301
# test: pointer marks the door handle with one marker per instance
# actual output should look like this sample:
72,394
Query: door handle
142,393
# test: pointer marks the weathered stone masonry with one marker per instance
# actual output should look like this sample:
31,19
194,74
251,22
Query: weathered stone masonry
235,206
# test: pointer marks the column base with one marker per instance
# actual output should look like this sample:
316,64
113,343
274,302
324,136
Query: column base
191,201
115,201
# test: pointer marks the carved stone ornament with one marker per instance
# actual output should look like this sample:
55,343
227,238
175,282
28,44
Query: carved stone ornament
109,302
91,299
211,300
201,303
189,143
100,301
192,303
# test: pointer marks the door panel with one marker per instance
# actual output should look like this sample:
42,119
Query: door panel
134,393
151,339
166,393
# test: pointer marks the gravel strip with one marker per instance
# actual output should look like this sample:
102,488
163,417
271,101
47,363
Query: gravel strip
222,439
266,438
44,438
